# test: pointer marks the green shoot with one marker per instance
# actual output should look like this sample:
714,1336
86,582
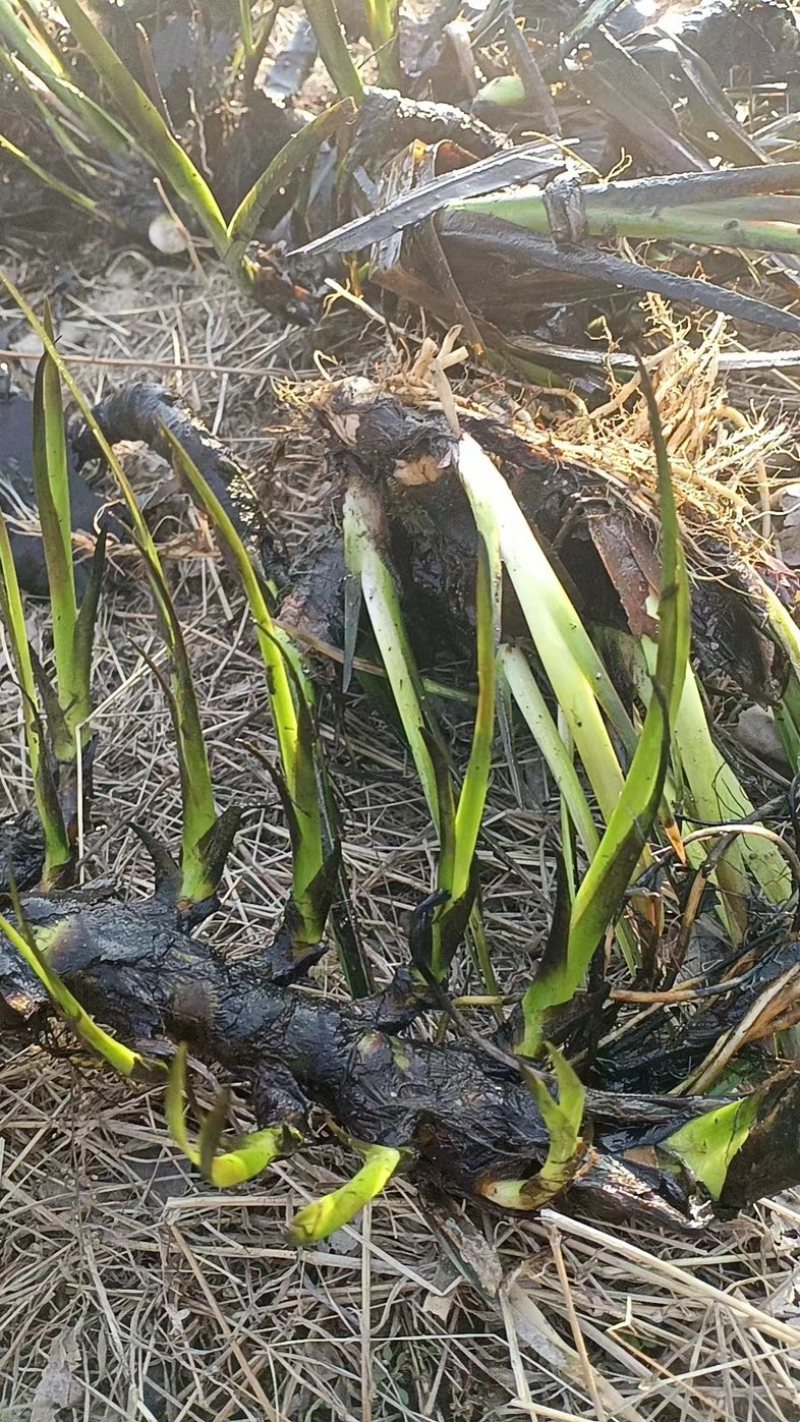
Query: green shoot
784,631
382,17
205,837
43,60
505,91
124,1061
51,484
249,1156
78,199
580,681
58,853
293,156
333,48
472,799
516,674
160,145
707,1144
246,28
370,572
714,795
291,720
371,577
602,891
460,828
563,1118
319,1219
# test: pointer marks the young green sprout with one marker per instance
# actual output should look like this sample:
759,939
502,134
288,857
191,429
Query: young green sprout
563,1117
59,859
301,778
56,714
319,1219
125,1062
370,577
206,838
601,894
249,1155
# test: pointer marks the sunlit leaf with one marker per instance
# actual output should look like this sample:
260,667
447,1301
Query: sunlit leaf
600,896
580,681
707,1144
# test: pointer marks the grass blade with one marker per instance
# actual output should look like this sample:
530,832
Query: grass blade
58,858
78,199
600,896
174,165
366,560
45,62
290,718
293,156
575,671
333,48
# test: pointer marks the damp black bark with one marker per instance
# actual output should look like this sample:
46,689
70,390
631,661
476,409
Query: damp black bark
467,1118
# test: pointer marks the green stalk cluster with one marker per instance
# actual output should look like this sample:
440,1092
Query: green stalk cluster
137,126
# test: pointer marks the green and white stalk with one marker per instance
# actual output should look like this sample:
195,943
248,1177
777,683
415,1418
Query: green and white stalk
580,682
205,836
370,577
517,676
457,823
333,48
601,895
291,703
59,858
614,210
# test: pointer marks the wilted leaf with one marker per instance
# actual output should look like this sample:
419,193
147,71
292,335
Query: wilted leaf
58,1387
